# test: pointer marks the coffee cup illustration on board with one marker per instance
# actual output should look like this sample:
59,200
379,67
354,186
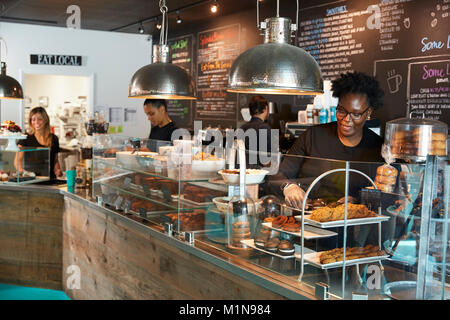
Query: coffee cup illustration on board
407,23
394,81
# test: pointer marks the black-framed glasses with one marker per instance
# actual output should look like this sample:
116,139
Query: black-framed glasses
342,113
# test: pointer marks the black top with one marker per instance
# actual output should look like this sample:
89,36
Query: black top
160,134
322,141
262,129
32,162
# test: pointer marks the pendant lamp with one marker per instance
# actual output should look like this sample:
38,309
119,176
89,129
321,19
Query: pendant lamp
276,67
162,79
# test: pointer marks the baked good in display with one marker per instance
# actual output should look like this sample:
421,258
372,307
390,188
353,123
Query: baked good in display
240,230
4,175
286,248
197,194
384,187
260,243
336,255
386,178
188,221
272,244
264,233
437,207
110,153
280,221
354,211
291,227
418,142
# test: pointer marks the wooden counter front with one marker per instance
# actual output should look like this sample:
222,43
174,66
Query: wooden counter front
31,238
45,236
117,262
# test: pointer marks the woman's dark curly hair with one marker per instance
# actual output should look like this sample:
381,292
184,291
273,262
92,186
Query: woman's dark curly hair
358,82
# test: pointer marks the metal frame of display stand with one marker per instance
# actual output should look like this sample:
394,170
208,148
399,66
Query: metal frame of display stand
346,170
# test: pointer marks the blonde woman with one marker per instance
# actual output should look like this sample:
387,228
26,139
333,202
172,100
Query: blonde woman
41,136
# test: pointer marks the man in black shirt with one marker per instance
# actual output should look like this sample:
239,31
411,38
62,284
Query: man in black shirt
348,139
259,110
162,125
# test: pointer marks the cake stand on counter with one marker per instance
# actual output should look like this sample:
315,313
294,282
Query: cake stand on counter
12,141
313,258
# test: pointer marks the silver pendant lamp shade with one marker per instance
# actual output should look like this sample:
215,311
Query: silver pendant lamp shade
276,67
161,79
9,87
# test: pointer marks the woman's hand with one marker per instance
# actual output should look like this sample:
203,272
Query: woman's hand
57,170
294,195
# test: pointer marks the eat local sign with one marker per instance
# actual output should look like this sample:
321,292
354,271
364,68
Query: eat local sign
53,59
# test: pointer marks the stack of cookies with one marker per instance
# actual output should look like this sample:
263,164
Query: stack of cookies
240,230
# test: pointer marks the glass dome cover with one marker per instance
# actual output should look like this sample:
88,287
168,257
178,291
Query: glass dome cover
416,138
240,222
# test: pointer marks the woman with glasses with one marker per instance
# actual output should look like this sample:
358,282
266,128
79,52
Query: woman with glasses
347,139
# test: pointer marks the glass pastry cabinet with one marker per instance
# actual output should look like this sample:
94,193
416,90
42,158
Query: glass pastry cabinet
26,165
350,240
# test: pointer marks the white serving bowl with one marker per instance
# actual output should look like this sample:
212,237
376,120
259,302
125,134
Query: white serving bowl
165,150
127,159
221,203
252,176
208,165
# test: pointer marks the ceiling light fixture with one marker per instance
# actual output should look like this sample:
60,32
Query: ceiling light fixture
178,17
158,25
10,88
214,7
276,67
161,79
141,28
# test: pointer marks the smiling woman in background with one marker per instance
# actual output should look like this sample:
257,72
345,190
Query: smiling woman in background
347,139
40,136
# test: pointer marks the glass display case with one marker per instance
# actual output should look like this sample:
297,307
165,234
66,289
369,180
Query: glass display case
24,166
349,239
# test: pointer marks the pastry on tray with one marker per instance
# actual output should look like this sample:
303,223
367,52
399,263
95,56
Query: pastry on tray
336,255
354,211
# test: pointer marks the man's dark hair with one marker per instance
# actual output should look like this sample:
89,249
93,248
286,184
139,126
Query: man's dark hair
358,82
257,105
157,103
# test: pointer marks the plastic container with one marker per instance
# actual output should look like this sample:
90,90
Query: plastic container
323,115
310,113
414,139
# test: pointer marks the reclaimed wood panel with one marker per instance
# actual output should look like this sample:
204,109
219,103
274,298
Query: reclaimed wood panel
117,261
31,238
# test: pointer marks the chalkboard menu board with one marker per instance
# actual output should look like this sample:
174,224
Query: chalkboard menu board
216,51
181,49
404,43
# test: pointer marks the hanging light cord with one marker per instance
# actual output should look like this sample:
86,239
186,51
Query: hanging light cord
278,12
164,24
6,47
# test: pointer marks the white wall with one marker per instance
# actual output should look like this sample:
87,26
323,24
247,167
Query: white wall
58,88
109,59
